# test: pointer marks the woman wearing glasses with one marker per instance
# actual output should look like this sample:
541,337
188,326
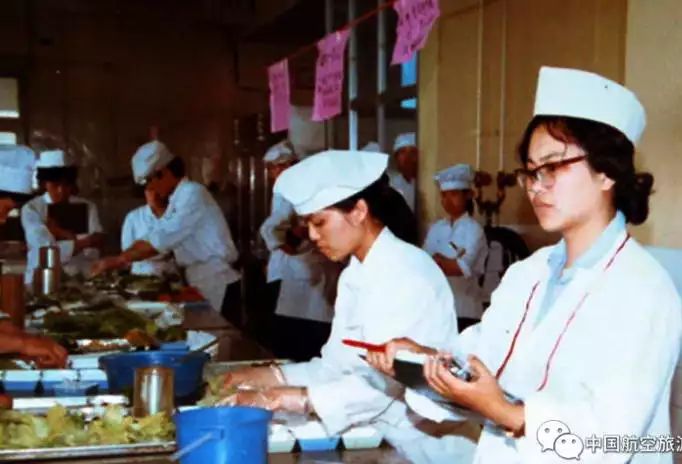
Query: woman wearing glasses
585,333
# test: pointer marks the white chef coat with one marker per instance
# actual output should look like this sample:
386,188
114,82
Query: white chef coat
34,222
612,369
308,279
397,291
407,189
467,234
193,227
136,225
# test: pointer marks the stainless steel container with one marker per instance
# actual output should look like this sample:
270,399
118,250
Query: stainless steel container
46,281
49,257
153,391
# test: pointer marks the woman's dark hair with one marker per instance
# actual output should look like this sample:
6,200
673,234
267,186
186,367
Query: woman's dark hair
68,174
18,198
177,167
608,151
387,206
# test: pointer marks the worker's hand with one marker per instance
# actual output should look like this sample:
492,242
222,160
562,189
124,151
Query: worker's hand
255,377
44,351
289,399
383,360
109,263
449,266
481,394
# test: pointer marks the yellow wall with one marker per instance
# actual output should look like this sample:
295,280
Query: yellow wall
588,34
653,70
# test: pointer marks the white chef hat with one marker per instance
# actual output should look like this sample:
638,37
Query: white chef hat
149,158
582,94
324,179
372,146
53,159
282,152
405,140
17,163
457,177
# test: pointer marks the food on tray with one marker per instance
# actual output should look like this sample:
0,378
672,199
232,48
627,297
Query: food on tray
216,390
60,427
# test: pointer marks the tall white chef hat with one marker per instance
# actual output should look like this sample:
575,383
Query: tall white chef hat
149,158
457,177
282,152
324,179
405,140
17,163
53,159
582,94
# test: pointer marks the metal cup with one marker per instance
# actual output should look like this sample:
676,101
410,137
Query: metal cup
153,391
49,257
46,281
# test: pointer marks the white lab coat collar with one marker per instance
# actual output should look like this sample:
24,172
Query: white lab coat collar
372,261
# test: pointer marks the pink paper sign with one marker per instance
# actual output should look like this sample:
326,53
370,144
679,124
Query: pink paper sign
280,106
415,20
329,75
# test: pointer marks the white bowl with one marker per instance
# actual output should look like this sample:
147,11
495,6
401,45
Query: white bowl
362,437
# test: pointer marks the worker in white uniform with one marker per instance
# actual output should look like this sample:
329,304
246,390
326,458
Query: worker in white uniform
193,227
406,156
57,178
389,288
137,224
17,164
586,333
458,244
304,277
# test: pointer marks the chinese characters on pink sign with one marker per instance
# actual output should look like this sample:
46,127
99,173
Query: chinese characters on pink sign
278,77
415,20
329,75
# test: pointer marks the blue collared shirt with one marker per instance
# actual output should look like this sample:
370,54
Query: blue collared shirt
559,278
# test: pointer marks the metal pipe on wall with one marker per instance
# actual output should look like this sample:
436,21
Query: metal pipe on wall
381,76
352,80
329,26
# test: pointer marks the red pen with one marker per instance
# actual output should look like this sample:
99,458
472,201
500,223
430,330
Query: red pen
365,345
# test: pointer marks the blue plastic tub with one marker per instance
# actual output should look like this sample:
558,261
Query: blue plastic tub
188,369
237,435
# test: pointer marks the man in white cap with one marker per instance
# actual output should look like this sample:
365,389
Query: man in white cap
585,335
406,156
457,242
137,224
301,281
16,178
389,288
193,227
57,177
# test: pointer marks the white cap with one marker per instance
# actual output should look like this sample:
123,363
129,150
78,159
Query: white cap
17,163
405,140
372,146
149,158
281,152
52,159
325,179
457,177
582,94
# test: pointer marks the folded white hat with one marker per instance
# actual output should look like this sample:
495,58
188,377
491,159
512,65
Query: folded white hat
149,158
457,177
322,180
405,140
17,163
372,146
53,159
281,152
582,94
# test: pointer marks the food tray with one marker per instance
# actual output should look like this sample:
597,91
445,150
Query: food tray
33,454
